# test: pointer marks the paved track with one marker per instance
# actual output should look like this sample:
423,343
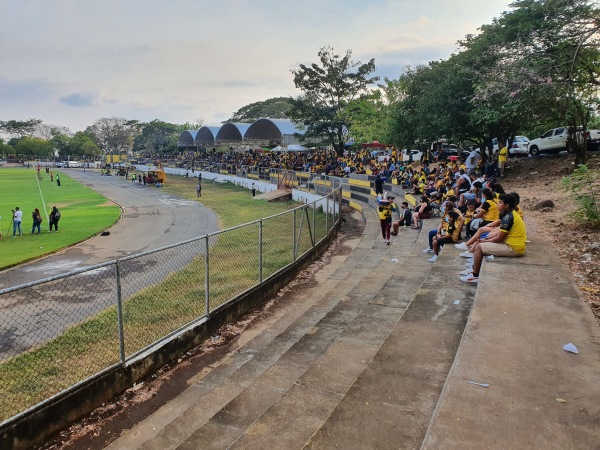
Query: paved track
151,219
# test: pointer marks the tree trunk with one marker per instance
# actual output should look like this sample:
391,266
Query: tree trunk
580,155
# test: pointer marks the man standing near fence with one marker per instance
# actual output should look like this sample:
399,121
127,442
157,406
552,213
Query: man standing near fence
199,188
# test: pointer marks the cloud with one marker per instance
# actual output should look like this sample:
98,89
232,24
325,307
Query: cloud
79,99
84,99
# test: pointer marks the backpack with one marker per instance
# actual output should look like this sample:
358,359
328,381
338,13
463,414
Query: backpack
57,214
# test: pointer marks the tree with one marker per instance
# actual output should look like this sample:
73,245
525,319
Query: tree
19,128
157,136
33,147
195,125
273,108
82,145
540,66
327,90
366,115
5,149
113,135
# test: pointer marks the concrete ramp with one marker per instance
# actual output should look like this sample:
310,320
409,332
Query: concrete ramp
279,195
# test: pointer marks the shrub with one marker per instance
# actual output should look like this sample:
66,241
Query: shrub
584,186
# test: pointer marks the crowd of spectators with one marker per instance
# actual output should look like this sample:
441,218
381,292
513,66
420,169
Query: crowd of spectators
465,194
386,162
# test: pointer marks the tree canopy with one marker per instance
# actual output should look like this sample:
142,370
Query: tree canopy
273,108
328,89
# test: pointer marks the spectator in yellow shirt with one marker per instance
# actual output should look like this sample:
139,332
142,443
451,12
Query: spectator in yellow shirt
502,158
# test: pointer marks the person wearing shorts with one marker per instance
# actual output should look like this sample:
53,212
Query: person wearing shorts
502,158
508,242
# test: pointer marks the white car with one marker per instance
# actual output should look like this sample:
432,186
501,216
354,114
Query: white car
520,146
416,155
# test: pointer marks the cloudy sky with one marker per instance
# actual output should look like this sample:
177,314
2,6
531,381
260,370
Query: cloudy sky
71,62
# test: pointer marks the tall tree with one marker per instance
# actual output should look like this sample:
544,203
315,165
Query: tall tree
82,145
34,147
273,108
157,136
114,135
19,128
327,90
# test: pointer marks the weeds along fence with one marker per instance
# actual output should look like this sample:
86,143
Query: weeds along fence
58,333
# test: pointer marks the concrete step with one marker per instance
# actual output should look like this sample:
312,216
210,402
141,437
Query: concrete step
334,367
218,385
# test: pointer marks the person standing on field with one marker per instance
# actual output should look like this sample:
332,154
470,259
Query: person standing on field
54,218
17,219
37,221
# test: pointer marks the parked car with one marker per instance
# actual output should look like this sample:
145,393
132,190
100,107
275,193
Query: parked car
593,140
520,146
73,164
447,150
61,164
555,140
416,155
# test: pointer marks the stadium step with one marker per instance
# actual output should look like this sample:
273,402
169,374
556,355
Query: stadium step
368,350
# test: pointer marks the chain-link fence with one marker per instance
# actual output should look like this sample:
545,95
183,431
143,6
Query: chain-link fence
60,331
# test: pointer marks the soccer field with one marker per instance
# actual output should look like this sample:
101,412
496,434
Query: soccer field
84,213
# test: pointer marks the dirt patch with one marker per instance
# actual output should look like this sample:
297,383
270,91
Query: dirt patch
538,179
105,424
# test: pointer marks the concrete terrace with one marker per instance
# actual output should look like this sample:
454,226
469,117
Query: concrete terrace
380,354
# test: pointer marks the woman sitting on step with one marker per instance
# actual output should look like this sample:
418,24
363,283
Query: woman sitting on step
423,211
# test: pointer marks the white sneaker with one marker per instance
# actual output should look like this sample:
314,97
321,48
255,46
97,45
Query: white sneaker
433,259
468,271
461,246
470,279
428,250
466,255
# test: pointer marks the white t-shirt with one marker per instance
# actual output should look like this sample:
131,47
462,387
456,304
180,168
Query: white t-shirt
472,160
18,216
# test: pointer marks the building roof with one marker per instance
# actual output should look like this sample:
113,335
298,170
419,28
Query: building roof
187,138
232,131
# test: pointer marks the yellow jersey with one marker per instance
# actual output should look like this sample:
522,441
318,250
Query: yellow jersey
517,234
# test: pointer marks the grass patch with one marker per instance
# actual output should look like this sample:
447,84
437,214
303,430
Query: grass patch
84,213
157,310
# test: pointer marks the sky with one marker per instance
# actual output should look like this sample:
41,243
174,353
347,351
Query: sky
72,62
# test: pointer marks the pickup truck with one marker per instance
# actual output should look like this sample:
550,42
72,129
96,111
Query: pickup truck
555,140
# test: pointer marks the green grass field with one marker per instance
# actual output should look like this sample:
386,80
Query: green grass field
92,345
84,213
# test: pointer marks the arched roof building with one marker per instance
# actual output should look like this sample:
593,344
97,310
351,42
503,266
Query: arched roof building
273,131
187,138
232,132
264,132
207,135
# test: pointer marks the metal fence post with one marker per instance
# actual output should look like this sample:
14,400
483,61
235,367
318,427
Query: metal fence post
314,223
294,237
260,251
206,279
327,215
120,314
